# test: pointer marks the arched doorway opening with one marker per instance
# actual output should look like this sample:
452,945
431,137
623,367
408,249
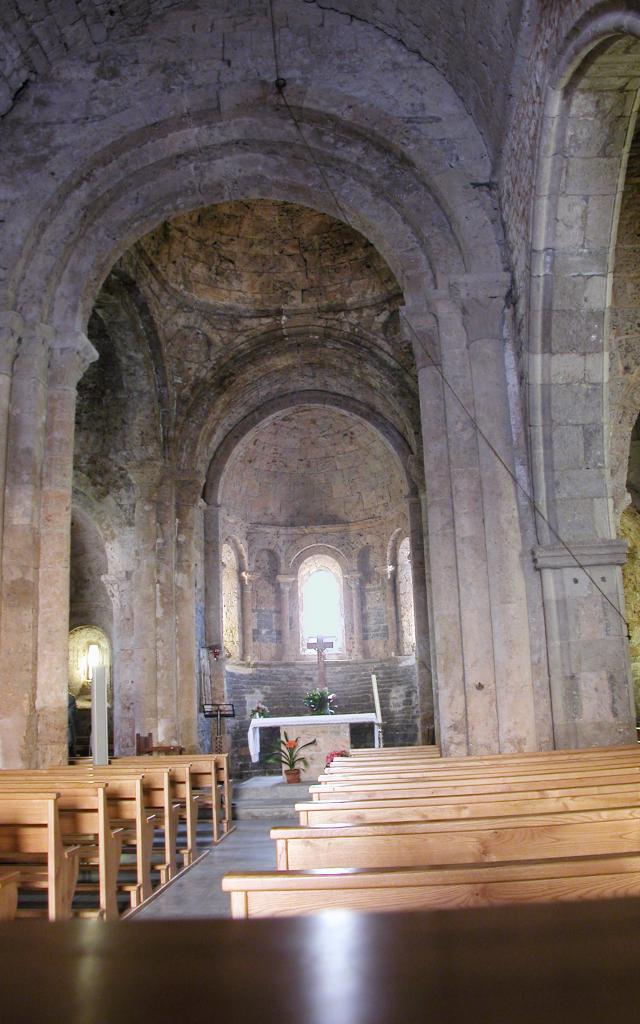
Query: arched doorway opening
89,648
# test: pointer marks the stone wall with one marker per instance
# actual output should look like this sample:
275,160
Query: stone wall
282,689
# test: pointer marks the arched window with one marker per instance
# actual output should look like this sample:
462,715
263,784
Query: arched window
321,602
406,621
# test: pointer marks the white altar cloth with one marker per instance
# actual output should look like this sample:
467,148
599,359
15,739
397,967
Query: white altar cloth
307,720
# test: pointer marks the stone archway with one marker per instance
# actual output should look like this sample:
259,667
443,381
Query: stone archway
588,128
417,203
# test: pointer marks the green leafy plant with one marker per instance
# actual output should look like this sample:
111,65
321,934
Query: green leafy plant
260,711
320,702
288,753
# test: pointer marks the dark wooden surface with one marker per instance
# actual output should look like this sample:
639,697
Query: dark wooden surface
548,964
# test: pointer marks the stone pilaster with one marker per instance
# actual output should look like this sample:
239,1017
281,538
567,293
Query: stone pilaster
68,361
284,583
21,547
354,583
189,510
166,609
120,590
11,326
146,477
457,556
421,614
592,700
483,305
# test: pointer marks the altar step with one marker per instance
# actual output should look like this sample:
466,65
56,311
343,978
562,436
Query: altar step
266,797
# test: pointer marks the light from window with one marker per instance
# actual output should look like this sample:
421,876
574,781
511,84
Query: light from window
321,605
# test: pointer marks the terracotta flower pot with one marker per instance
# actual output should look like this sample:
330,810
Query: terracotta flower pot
293,775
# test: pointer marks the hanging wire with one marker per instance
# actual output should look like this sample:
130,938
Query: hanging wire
280,84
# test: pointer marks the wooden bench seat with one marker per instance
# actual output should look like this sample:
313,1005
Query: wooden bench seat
377,789
399,808
31,843
409,844
9,879
210,778
85,822
268,894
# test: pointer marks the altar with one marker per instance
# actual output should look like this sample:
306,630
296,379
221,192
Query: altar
331,732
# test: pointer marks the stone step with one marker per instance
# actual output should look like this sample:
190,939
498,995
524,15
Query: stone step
257,799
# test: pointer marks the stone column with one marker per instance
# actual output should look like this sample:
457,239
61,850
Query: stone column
393,625
146,477
11,326
354,581
214,627
246,598
421,613
69,360
166,610
284,582
119,588
189,507
21,548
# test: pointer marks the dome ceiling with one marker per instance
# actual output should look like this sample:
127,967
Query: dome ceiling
263,257
312,466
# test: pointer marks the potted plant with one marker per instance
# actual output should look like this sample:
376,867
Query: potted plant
260,711
288,754
320,702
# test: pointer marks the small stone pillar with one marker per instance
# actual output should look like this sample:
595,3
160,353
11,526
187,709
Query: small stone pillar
284,583
68,362
353,581
246,598
392,610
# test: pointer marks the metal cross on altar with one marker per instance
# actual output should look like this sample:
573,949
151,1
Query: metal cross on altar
320,645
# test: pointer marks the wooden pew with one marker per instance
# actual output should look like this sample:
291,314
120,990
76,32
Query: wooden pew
488,768
160,807
472,785
411,844
85,822
276,893
9,879
210,774
399,808
31,843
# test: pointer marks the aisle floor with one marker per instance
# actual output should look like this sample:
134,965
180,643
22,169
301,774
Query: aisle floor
197,893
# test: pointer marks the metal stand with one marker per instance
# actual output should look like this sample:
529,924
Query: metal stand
218,711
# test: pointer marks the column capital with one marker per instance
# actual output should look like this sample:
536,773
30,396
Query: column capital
11,328
69,358
286,581
36,341
587,553
482,299
353,579
147,477
189,490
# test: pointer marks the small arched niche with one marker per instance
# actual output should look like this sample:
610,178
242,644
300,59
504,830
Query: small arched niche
321,602
89,648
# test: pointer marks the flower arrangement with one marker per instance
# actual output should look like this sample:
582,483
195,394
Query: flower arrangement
260,711
334,753
288,753
320,702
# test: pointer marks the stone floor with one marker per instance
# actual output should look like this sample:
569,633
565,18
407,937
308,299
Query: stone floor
259,804
197,893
